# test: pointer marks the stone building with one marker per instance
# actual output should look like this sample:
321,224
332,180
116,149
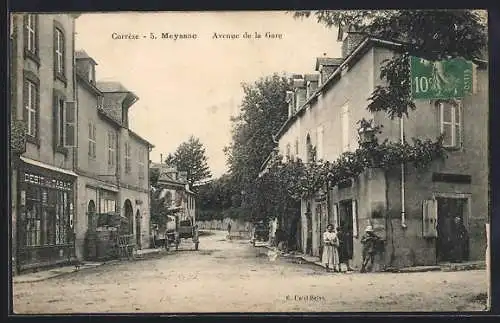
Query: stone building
112,160
173,186
399,207
43,115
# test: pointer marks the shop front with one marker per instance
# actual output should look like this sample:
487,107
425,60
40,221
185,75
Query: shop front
45,234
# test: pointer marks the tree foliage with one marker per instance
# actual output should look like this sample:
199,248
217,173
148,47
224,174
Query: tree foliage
263,112
191,157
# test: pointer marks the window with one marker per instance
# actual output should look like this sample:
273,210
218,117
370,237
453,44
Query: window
31,107
127,157
59,53
31,34
288,152
450,123
46,216
59,121
140,162
107,205
297,147
92,140
344,117
91,73
111,149
319,142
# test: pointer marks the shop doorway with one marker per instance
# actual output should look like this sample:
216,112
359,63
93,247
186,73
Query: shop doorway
138,229
451,218
346,223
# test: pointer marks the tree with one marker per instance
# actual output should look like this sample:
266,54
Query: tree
263,112
190,157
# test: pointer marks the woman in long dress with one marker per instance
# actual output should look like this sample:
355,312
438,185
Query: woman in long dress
330,255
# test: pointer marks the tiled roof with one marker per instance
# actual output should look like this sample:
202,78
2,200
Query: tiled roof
111,86
81,54
328,61
311,77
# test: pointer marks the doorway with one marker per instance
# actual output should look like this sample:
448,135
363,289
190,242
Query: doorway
346,222
90,239
449,247
129,215
138,229
309,229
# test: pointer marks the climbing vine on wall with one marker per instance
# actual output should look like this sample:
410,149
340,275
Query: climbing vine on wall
302,180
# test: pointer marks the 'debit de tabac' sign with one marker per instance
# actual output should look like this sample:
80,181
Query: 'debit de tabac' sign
446,79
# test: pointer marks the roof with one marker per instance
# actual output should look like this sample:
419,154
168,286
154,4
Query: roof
140,138
311,77
111,86
328,61
366,44
81,54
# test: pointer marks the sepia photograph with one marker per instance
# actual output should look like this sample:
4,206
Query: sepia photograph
329,161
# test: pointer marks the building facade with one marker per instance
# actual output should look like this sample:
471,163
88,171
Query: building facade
112,160
399,205
43,115
173,187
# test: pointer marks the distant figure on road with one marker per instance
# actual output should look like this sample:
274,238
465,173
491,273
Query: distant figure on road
330,255
369,241
229,230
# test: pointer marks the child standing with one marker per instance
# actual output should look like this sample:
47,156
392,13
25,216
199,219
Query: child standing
369,241
330,255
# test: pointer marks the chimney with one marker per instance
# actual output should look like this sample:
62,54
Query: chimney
351,41
299,86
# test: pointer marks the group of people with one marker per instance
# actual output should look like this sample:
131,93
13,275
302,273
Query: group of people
337,249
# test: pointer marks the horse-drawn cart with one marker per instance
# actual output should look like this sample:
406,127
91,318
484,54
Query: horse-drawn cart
175,230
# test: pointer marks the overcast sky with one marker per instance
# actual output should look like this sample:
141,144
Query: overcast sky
193,86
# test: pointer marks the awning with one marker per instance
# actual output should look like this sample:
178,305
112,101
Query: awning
49,167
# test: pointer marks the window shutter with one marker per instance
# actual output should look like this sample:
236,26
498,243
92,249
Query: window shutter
55,120
25,31
55,50
355,218
25,101
474,79
335,210
429,217
70,124
37,36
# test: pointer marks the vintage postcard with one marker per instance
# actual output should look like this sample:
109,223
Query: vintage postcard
246,161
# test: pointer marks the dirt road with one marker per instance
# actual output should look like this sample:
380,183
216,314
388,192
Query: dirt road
233,276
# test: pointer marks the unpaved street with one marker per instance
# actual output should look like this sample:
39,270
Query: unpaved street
233,276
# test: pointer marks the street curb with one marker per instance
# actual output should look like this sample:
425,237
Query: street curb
419,269
57,272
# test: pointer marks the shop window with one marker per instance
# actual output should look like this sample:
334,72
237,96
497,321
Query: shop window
46,216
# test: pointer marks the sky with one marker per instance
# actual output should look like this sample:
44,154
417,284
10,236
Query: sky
193,86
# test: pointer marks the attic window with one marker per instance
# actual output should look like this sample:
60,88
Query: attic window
91,74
